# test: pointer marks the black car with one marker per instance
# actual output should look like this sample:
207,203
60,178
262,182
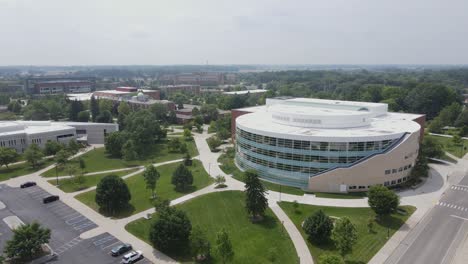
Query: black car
27,184
120,249
50,199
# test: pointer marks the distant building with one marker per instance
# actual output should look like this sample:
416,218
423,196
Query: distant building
200,78
256,91
59,85
184,115
126,92
173,89
19,135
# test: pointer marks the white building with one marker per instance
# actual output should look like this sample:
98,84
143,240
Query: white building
327,145
20,134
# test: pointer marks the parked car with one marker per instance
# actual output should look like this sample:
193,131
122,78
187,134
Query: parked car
50,199
120,249
27,184
132,257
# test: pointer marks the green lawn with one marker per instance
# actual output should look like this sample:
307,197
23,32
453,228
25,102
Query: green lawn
141,197
251,242
352,195
367,245
229,167
21,169
98,160
68,185
449,146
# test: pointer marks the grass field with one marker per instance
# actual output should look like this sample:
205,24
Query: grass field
368,243
450,147
68,185
21,169
141,197
252,243
227,165
98,160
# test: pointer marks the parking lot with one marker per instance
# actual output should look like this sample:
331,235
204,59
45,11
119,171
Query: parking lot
65,223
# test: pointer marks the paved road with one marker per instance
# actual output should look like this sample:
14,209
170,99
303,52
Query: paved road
436,239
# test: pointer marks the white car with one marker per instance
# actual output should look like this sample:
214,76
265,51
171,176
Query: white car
132,257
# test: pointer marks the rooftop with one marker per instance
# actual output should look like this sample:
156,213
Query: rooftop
246,92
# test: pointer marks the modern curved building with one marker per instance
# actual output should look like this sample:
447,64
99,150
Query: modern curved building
327,145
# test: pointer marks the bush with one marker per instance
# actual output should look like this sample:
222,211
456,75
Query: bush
318,227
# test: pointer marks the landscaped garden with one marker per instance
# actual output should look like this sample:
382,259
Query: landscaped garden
263,242
229,167
71,185
368,241
141,196
98,160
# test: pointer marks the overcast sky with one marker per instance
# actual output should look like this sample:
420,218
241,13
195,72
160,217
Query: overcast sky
98,32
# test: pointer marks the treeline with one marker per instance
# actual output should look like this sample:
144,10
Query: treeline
425,92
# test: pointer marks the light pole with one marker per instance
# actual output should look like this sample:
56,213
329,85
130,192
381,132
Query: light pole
56,175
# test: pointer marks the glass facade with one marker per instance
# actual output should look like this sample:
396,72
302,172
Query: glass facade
292,162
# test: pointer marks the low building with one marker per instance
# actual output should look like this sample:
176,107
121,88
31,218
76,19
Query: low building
327,145
199,78
256,91
59,84
184,115
20,134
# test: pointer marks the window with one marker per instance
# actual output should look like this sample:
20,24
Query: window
387,172
362,187
394,171
352,187
405,168
81,131
393,182
386,183
399,180
400,169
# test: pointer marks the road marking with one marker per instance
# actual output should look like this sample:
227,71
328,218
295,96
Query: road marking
79,227
75,241
79,215
456,216
75,212
79,219
460,185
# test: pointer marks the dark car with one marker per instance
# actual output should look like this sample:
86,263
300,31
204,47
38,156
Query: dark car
120,249
50,199
27,184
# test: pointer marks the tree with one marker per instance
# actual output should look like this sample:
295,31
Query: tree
174,145
182,178
199,244
33,155
370,224
344,235
213,143
114,143
14,107
104,117
255,201
112,194
224,247
431,148
75,108
83,116
382,200
187,159
52,147
73,147
82,164
27,241
198,120
457,140
449,114
463,131
188,134
61,158
296,206
331,259
170,232
436,125
123,108
7,156
220,181
318,227
129,151
151,176
209,112
183,148
94,107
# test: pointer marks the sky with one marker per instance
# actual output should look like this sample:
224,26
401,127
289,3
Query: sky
157,32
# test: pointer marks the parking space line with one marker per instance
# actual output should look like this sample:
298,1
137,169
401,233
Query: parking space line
113,244
103,240
74,213
76,222
79,227
55,205
79,215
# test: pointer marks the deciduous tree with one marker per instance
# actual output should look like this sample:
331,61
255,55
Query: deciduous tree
151,176
112,194
7,156
27,241
170,232
318,227
33,155
182,178
382,200
224,247
344,235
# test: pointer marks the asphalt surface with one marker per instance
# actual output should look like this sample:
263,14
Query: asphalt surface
437,237
65,223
